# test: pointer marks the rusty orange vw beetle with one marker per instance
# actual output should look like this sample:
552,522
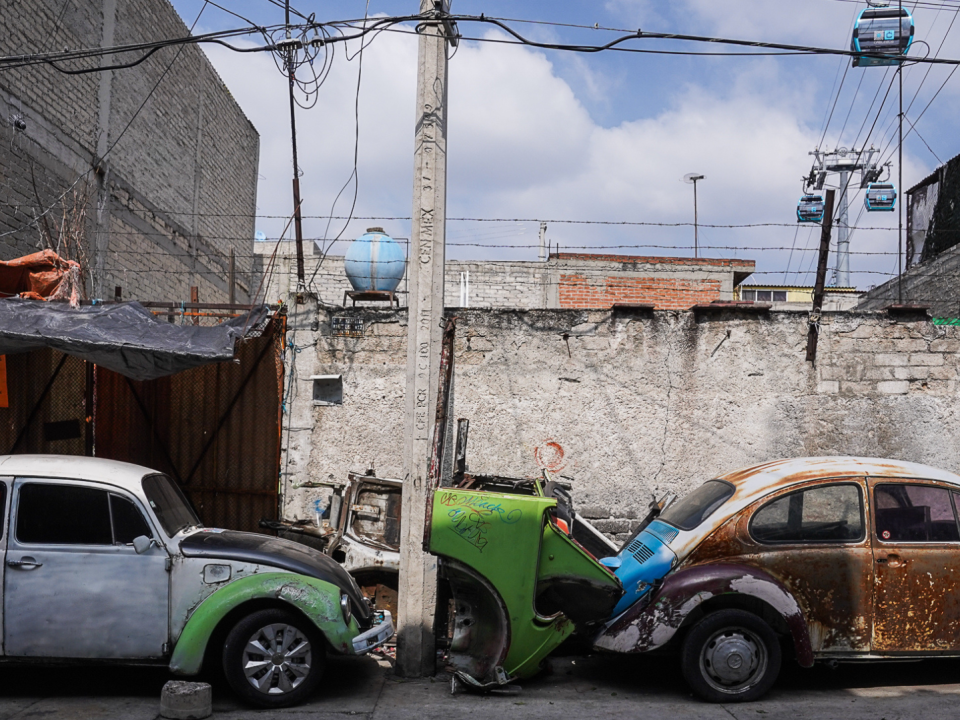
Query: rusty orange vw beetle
839,557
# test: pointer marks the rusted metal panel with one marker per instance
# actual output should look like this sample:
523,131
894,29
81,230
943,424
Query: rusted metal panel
649,625
215,429
832,583
916,584
46,406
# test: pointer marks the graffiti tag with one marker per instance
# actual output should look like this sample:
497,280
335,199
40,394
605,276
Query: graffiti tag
470,526
483,506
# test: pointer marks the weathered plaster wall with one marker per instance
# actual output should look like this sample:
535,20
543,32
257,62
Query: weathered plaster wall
639,404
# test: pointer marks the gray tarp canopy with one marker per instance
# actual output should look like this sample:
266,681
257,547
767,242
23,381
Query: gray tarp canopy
125,338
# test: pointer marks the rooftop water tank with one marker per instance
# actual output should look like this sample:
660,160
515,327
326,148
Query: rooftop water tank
374,261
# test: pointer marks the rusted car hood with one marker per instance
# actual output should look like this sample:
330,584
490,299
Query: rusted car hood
275,552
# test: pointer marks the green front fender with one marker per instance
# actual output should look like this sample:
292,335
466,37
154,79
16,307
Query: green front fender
318,600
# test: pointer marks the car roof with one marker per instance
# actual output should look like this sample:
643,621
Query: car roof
758,480
75,467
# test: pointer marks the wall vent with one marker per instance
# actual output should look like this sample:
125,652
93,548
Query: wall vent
327,389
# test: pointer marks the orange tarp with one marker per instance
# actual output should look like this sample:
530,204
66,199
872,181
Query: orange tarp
40,276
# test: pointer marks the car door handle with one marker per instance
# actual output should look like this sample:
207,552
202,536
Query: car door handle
27,563
893,560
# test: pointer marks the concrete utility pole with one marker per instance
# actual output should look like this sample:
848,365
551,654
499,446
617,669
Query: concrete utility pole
813,329
416,652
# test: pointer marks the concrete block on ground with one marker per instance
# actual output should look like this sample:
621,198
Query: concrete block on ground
182,700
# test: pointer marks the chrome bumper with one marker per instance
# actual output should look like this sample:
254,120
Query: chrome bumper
377,635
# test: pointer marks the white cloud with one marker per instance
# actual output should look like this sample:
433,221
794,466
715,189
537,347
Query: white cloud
523,144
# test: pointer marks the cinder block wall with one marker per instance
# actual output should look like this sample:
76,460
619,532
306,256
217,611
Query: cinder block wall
565,281
177,190
639,405
933,283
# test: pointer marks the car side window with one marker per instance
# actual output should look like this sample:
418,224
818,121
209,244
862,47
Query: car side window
128,522
3,505
914,513
62,515
822,514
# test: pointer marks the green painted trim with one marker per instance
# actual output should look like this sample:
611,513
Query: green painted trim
318,600
946,321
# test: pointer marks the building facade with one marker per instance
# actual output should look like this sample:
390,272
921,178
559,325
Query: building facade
146,175
799,297
932,257
564,280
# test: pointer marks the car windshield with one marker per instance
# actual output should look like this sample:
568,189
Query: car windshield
696,507
169,504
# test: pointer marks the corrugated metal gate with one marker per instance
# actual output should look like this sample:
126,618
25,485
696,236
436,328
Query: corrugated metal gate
47,404
214,429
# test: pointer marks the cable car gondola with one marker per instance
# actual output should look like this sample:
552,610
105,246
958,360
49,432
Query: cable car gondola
880,197
884,31
810,209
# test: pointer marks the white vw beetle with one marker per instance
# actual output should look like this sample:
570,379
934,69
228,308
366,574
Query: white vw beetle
103,560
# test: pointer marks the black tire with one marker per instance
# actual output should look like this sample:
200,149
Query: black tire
274,685
736,637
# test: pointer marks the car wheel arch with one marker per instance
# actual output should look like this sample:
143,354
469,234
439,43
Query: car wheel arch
316,600
214,649
696,589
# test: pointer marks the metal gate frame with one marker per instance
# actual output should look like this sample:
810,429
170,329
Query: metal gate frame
215,429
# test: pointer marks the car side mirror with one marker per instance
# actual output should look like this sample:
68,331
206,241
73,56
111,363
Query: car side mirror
142,543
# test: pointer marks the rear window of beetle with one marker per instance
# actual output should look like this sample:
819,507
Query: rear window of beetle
691,510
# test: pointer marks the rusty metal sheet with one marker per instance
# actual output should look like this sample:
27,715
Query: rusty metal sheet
916,586
649,625
214,429
831,583
46,397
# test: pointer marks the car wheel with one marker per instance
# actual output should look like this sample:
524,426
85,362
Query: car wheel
273,658
731,656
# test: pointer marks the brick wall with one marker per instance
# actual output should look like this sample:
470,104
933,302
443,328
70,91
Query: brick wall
177,189
578,291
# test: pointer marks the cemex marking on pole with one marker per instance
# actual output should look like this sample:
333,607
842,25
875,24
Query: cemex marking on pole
416,652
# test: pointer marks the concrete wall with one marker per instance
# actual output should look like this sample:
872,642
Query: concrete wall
169,188
639,404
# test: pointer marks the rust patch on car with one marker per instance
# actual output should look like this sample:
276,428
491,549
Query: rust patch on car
649,626
723,543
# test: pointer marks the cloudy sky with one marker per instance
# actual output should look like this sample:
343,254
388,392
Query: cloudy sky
548,135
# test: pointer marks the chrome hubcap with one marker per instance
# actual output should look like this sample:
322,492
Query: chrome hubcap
733,660
277,658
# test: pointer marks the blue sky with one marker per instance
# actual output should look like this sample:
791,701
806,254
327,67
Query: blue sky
548,135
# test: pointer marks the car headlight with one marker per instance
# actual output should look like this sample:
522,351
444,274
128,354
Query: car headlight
345,607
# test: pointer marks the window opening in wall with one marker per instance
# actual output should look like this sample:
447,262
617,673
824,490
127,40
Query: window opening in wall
327,389
764,295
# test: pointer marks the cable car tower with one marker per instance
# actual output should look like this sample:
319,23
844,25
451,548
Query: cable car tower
843,162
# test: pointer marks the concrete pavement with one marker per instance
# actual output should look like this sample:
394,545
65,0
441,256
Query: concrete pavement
594,687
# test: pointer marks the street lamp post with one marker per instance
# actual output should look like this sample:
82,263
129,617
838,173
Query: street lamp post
692,178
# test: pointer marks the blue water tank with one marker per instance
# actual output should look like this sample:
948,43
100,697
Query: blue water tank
374,261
